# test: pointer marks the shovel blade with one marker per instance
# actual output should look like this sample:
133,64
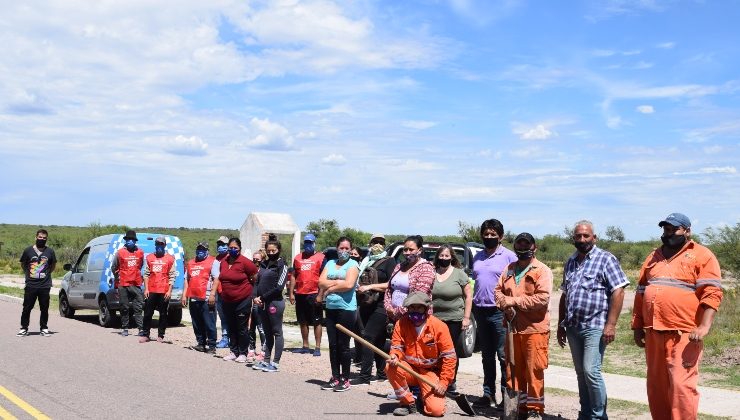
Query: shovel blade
464,405
511,404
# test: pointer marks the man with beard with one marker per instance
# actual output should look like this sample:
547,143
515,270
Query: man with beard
593,291
678,293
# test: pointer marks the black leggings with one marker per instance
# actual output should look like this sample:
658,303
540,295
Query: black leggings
375,320
339,353
455,328
272,323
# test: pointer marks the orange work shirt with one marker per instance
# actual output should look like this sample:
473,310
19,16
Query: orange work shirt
430,350
532,296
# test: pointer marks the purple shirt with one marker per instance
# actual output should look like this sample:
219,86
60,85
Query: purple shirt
487,272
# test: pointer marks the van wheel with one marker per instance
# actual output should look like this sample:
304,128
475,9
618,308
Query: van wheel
105,317
174,316
65,310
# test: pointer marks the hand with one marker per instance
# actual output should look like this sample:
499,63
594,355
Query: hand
699,333
364,288
211,300
257,301
292,299
439,390
609,332
393,361
639,334
509,312
562,337
167,295
184,302
146,293
465,324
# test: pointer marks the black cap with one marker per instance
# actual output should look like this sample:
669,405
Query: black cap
524,236
203,245
130,234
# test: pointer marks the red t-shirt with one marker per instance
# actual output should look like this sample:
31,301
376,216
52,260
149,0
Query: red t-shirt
307,273
235,279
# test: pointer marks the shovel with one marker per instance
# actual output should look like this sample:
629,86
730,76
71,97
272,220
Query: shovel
511,395
461,401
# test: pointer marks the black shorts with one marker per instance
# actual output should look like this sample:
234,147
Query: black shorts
306,310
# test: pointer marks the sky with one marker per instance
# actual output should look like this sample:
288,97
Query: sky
396,117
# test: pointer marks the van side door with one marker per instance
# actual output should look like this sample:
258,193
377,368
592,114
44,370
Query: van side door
91,284
77,280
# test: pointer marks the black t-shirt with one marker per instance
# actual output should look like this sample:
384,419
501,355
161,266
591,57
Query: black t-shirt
37,267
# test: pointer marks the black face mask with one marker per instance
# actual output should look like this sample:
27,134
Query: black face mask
444,263
524,255
490,243
673,241
40,243
358,259
584,247
273,257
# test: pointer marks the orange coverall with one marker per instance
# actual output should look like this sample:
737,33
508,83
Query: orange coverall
669,303
431,354
531,327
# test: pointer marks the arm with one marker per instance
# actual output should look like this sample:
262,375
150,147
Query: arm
468,294
172,274
541,297
637,321
709,292
184,299
277,290
291,284
214,290
53,263
615,308
114,267
147,272
398,349
561,318
349,282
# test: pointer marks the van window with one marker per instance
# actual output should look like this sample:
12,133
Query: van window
81,265
97,257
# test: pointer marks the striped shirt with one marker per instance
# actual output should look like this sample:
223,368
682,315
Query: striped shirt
588,286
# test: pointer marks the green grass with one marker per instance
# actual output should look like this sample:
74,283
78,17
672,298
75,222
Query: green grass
18,292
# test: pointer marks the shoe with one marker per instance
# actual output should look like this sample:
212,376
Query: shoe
330,384
259,366
379,378
140,333
211,350
160,339
359,382
241,359
342,386
223,343
533,415
251,353
229,357
200,347
45,332
250,361
317,353
22,332
272,367
259,357
405,410
124,333
483,402
302,350
144,339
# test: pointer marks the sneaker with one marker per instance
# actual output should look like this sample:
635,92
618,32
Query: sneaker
342,386
330,384
259,366
317,353
144,339
483,402
302,350
45,332
124,333
259,357
272,367
405,410
223,343
229,357
241,359
200,347
140,333
359,382
211,350
250,360
22,332
160,339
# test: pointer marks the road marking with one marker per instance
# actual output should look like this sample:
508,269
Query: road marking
28,408
5,414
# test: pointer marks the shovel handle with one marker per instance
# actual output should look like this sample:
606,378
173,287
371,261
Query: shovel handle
384,355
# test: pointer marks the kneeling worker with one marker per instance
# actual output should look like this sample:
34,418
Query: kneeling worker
423,343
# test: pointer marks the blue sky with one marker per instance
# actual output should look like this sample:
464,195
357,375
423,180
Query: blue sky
401,117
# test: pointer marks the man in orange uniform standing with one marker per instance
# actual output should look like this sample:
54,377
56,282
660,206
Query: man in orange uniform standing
523,293
423,343
678,293
126,268
159,276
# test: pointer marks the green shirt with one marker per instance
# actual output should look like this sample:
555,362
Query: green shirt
448,299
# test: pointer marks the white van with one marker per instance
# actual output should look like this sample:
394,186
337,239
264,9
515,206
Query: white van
88,283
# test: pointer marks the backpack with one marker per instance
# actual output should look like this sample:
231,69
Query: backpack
368,277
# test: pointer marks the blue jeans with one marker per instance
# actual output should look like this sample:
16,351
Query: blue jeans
204,322
492,336
587,349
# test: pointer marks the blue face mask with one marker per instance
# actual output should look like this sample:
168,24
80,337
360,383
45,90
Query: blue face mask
130,244
159,250
234,252
417,318
222,249
201,255
309,247
343,255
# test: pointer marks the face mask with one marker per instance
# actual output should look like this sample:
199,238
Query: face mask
273,257
673,240
343,255
256,262
411,258
358,259
444,263
376,249
417,318
222,249
40,243
130,244
584,247
234,252
490,243
159,250
524,255
201,255
309,247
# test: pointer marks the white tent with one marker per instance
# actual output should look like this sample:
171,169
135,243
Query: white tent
255,228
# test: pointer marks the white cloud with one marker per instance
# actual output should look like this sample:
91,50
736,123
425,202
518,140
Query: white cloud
712,150
469,193
719,170
334,159
614,122
269,135
526,152
701,135
666,45
418,125
181,145
536,132
645,109
413,165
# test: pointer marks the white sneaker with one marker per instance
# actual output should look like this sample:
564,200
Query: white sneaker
229,357
22,332
241,359
45,332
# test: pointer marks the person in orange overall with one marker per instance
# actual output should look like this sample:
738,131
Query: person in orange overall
678,293
423,343
523,293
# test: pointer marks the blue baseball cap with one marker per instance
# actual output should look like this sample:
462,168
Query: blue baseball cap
677,220
309,238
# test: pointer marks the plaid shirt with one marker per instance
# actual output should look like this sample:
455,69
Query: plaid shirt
588,287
